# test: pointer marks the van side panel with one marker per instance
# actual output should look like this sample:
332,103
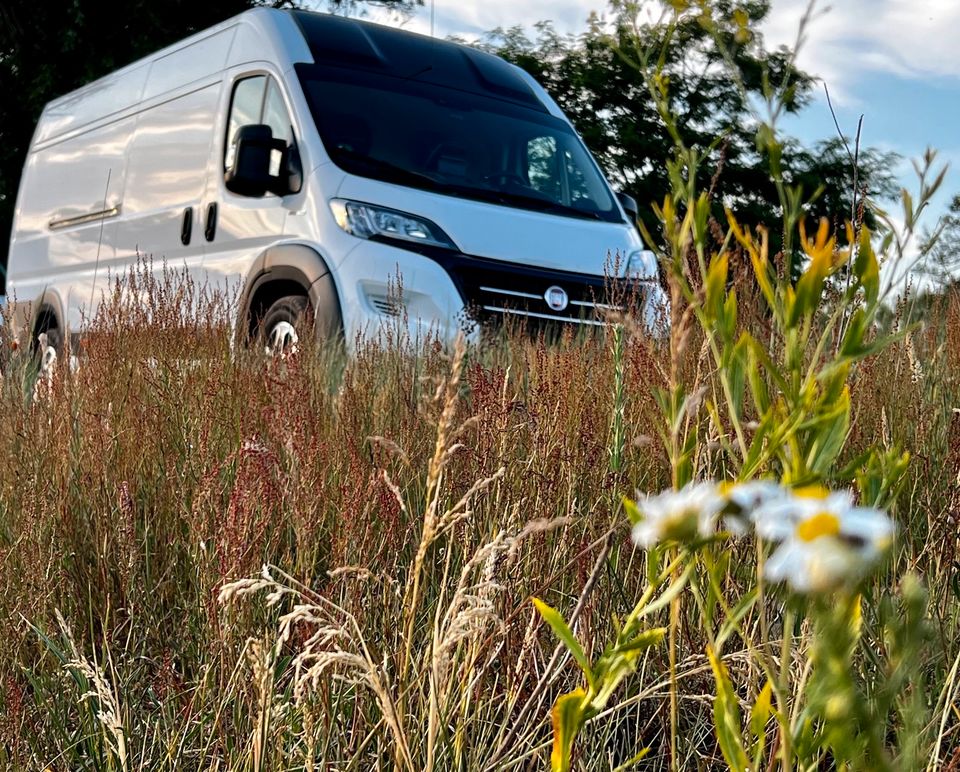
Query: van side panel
189,64
152,134
94,103
166,174
65,222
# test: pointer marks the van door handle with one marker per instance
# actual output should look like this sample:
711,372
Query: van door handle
211,228
186,227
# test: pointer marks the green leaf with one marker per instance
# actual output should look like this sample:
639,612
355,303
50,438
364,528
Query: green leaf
760,713
567,718
852,344
735,365
675,588
867,268
831,436
739,612
833,381
633,761
757,445
716,286
553,618
809,290
644,640
730,315
763,358
632,511
620,661
726,717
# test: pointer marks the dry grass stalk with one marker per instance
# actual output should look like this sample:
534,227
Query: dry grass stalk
100,693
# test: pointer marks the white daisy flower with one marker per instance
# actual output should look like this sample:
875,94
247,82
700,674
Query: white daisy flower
743,500
682,516
824,540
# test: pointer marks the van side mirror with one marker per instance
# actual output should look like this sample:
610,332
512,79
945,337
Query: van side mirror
249,174
629,204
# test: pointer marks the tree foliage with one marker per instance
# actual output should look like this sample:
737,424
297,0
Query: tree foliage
941,251
597,79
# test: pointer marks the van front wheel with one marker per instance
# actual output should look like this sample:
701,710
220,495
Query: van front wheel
279,326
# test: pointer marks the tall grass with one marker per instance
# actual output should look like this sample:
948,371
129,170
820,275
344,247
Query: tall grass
408,505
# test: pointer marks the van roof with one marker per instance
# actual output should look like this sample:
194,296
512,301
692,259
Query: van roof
337,41
287,37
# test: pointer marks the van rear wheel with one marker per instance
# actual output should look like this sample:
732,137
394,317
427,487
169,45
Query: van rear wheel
52,339
279,326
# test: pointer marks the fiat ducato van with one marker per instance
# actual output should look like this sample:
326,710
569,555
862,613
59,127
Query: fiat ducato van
311,164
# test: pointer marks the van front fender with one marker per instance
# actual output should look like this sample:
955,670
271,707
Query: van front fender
280,267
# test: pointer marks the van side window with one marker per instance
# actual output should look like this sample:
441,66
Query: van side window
275,116
582,194
543,169
245,109
257,100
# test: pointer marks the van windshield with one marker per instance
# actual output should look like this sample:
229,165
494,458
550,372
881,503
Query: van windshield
454,142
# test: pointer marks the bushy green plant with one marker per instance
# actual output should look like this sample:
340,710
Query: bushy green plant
774,428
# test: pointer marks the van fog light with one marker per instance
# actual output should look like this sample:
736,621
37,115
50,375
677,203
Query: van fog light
367,221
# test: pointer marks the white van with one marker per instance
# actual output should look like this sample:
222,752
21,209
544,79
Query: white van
305,162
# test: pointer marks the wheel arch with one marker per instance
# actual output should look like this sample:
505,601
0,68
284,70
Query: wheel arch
289,269
41,312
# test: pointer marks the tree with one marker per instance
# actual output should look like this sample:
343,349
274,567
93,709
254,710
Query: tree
52,47
595,79
940,261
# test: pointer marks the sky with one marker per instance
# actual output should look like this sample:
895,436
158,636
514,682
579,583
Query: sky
896,62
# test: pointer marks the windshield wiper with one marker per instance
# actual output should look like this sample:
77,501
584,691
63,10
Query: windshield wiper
545,205
506,197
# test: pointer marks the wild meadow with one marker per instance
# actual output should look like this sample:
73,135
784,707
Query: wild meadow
216,560
733,545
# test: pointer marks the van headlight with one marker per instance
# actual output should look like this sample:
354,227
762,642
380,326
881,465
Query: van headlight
642,266
367,221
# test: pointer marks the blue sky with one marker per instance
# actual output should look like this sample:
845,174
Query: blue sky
894,61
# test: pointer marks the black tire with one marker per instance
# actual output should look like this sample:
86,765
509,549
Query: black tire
280,326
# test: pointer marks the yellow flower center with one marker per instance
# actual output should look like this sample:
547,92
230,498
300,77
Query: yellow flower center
821,524
811,492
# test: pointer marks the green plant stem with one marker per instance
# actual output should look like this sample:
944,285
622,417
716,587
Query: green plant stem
782,691
674,713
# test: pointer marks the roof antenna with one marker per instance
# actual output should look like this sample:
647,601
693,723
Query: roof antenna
433,15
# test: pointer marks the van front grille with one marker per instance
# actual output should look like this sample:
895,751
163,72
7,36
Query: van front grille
493,291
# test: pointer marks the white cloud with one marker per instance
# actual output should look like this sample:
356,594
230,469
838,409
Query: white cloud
846,40
474,19
854,38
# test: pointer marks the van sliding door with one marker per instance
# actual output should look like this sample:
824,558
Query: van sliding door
166,179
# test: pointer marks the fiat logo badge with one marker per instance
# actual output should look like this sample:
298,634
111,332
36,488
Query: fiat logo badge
556,298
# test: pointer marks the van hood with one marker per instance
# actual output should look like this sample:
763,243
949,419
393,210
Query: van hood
498,232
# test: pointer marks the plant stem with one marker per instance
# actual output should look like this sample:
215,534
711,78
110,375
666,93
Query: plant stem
782,691
674,714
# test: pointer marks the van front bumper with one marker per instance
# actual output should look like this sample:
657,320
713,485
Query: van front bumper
430,289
